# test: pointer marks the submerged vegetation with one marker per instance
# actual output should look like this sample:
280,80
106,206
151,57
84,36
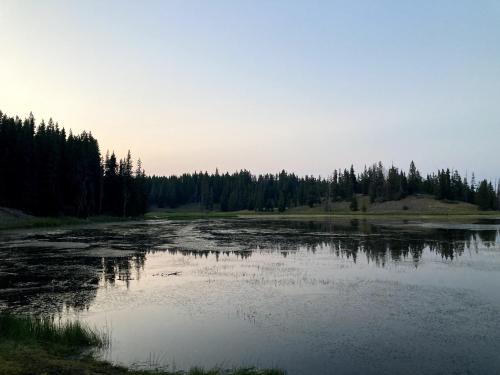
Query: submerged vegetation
41,346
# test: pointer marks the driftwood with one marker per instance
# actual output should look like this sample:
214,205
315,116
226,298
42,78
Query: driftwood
163,274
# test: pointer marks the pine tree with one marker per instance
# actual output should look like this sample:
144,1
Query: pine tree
483,198
354,203
281,202
125,176
414,179
498,196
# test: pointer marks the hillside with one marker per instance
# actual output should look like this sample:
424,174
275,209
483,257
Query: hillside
418,204
413,205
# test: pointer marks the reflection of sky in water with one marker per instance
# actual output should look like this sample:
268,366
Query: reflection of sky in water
316,297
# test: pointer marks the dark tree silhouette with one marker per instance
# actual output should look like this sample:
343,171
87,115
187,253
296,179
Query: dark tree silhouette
244,191
45,172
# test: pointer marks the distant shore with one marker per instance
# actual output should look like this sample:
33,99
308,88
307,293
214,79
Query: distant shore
173,215
416,208
16,219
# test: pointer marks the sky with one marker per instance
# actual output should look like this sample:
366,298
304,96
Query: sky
306,86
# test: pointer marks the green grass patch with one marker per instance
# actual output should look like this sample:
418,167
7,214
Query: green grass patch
70,334
420,207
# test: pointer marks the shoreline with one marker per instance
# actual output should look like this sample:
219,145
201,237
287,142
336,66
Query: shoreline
12,219
33,222
177,215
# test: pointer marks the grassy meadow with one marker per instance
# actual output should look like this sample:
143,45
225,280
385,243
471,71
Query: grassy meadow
419,207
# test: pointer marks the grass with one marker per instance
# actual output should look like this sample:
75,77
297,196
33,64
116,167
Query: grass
30,346
421,207
71,334
43,222
306,214
414,207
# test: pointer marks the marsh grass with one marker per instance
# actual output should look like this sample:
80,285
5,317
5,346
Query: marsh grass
70,334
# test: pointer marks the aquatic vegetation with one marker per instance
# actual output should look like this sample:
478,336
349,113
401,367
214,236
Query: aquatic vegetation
69,334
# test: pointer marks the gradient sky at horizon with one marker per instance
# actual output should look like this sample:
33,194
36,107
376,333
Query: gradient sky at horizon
306,86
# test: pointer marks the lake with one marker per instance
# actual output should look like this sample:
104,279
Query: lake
308,296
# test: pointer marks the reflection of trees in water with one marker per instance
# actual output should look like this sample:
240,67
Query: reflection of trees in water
446,243
39,276
241,254
53,277
50,279
379,243
122,268
488,237
70,282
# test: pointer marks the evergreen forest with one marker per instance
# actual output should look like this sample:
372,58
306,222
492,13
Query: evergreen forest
46,172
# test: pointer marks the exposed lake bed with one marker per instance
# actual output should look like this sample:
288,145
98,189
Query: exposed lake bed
307,296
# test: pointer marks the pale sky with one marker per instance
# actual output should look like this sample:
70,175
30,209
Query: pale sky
307,86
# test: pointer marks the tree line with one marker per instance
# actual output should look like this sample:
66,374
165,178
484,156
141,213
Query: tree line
267,192
44,171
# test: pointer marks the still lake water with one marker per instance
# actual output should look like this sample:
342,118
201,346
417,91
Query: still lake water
311,297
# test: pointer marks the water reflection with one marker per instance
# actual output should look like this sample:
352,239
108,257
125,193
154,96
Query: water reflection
62,269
